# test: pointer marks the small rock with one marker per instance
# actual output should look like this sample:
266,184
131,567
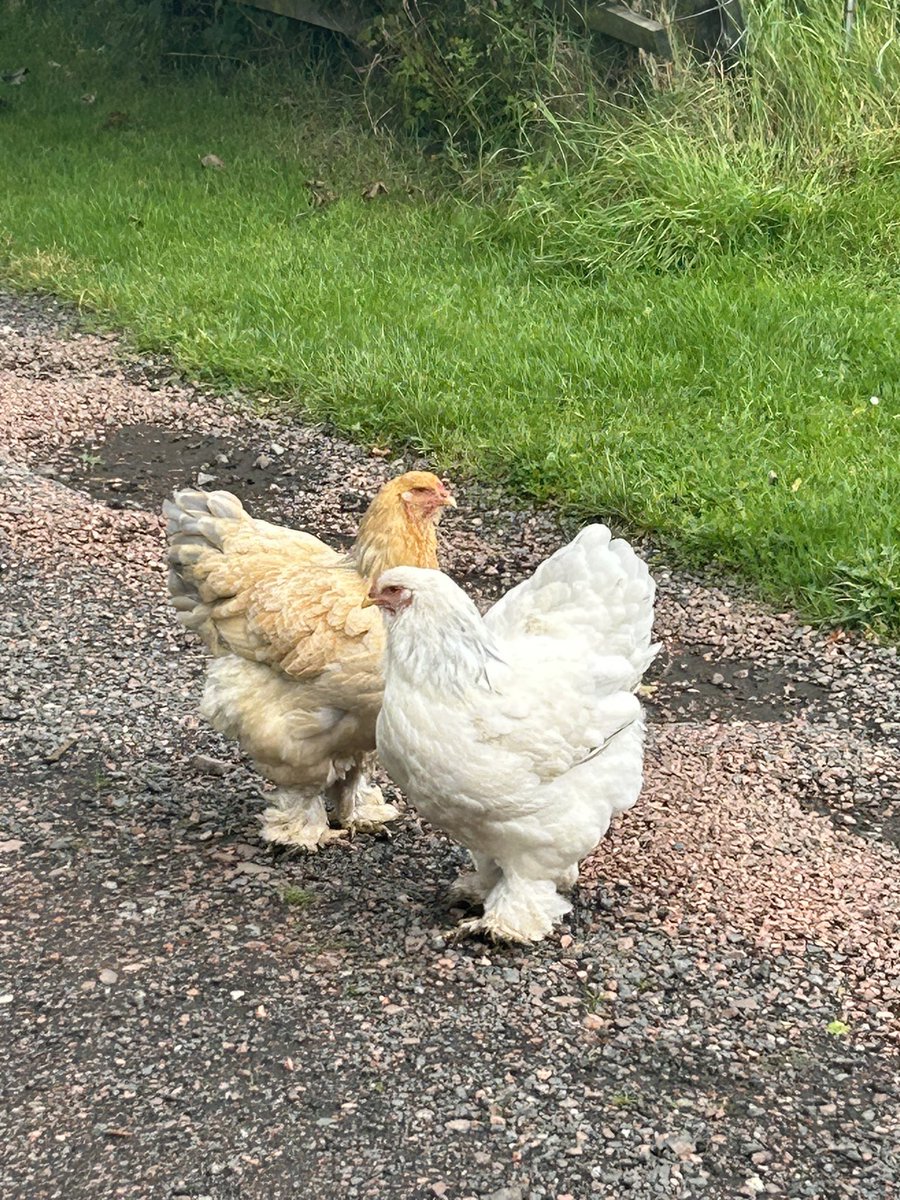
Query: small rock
108,976
210,766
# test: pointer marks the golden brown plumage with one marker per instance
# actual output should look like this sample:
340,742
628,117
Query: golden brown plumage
296,671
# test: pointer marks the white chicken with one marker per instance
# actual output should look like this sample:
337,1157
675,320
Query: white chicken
519,733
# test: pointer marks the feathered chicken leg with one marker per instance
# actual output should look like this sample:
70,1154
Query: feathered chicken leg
517,909
471,887
360,806
298,818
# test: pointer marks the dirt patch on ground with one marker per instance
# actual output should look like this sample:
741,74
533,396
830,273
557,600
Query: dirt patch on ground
138,466
699,685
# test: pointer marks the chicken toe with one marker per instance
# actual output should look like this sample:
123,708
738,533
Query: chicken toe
298,819
491,928
371,818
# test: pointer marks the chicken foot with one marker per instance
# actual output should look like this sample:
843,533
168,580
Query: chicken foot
298,819
516,909
359,805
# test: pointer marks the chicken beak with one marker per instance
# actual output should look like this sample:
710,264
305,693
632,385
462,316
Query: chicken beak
449,501
369,601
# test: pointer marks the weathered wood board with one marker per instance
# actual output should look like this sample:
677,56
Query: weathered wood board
603,16
343,16
620,22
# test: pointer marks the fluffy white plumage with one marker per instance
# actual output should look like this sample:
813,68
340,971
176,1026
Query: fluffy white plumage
519,733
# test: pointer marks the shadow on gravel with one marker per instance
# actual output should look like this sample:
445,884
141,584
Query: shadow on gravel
697,685
138,466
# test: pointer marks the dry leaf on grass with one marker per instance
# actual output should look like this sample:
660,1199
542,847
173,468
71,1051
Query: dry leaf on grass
14,78
88,97
319,193
212,161
378,188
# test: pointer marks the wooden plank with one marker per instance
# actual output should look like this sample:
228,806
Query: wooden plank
344,16
617,21
608,16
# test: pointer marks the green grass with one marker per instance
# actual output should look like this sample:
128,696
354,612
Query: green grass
678,322
296,897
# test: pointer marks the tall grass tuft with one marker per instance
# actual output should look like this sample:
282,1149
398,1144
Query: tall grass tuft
783,159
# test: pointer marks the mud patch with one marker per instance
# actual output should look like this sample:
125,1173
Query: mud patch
698,685
138,466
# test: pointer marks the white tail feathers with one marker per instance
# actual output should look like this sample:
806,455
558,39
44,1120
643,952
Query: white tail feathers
595,587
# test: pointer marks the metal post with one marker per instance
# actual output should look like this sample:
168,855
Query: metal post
849,18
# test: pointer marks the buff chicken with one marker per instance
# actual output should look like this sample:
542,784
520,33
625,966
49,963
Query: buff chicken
295,674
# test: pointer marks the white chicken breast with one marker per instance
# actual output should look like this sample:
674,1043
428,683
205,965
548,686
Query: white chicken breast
519,733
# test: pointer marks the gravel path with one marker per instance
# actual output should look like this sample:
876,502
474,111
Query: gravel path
183,1016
